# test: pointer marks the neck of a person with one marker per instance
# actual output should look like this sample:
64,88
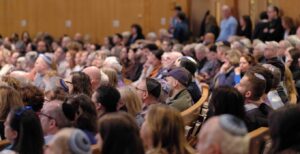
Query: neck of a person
255,102
52,131
149,101
176,90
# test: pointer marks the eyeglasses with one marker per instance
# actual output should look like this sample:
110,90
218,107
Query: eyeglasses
140,89
69,82
43,114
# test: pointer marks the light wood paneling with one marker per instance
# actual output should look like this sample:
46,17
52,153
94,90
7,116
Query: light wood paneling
93,17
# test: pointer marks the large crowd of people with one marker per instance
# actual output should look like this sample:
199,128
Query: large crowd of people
60,96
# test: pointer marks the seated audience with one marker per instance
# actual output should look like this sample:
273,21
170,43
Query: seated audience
24,132
178,79
53,119
149,91
69,141
106,99
190,64
169,136
223,134
119,134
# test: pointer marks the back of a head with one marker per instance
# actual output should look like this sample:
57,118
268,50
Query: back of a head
153,87
85,112
112,76
9,98
276,75
227,100
131,101
32,96
119,134
81,83
170,135
267,74
151,46
189,64
285,128
225,131
108,97
70,141
26,123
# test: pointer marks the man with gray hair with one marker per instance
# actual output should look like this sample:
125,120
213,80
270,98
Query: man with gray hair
201,53
53,119
223,134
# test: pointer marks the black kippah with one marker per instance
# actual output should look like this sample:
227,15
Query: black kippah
153,87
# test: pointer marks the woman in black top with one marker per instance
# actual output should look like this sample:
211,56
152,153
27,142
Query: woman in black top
245,27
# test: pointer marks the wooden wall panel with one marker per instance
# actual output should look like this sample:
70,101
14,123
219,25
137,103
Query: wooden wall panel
93,17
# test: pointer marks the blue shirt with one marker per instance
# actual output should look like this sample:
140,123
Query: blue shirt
228,28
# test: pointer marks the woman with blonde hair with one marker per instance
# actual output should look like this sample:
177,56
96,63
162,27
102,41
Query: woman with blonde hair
130,101
226,73
290,83
164,129
10,99
69,141
112,76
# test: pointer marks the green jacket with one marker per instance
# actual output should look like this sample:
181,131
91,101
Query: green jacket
181,100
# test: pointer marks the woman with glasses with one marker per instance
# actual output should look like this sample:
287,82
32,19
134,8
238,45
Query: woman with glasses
24,131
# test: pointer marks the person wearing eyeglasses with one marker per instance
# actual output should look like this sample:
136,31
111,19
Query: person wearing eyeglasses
52,119
24,131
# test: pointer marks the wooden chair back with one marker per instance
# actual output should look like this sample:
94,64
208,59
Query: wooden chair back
258,139
4,144
95,149
191,114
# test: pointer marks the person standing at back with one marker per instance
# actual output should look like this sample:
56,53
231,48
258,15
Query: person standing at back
228,24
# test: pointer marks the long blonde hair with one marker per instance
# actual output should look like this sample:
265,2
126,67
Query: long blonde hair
289,82
132,102
112,76
167,129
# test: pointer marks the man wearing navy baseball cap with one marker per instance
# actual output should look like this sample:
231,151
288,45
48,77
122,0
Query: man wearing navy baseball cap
178,79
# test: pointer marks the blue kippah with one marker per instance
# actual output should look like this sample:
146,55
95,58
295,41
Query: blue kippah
233,125
79,143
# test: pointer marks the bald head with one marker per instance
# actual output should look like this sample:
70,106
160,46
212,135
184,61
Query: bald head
95,76
169,58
